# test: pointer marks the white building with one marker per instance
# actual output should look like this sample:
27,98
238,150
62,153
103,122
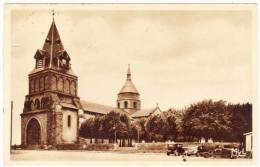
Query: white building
248,141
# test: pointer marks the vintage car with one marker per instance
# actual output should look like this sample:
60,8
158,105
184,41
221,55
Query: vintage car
190,150
204,151
176,149
218,152
230,153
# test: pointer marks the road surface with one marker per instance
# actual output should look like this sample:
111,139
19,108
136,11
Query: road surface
101,156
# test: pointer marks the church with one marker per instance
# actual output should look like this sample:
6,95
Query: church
53,111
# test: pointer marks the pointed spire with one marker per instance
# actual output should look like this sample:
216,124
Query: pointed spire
128,73
53,45
128,87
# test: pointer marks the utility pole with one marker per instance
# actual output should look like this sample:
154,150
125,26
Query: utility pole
11,127
138,137
115,137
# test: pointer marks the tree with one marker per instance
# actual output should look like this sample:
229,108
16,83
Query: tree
207,119
171,129
87,129
142,133
158,127
241,120
98,132
111,124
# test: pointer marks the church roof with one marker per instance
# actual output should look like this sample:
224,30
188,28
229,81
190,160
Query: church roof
99,108
53,45
145,112
129,86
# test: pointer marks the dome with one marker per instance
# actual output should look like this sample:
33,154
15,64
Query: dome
129,86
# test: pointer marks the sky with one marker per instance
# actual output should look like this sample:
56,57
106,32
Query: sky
177,57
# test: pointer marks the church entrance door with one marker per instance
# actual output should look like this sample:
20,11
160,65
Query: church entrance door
33,132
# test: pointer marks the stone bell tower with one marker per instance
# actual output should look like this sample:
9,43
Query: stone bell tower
128,97
50,114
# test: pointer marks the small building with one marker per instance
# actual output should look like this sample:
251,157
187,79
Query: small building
248,141
145,113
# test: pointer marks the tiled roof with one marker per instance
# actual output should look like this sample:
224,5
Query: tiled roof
53,44
144,112
99,108
67,105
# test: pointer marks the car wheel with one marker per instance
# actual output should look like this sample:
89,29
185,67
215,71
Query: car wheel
206,155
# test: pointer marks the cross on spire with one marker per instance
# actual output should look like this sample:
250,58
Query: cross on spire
53,13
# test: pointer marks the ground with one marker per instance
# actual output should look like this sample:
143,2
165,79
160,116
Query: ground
99,156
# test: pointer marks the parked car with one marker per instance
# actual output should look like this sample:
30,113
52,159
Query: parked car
205,151
230,153
176,149
218,152
190,150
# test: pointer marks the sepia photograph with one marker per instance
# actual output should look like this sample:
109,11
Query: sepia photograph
130,83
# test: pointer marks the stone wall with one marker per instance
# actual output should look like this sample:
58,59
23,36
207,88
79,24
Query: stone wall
42,119
58,129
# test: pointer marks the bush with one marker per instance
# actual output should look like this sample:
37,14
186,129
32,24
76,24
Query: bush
231,145
99,147
209,146
152,146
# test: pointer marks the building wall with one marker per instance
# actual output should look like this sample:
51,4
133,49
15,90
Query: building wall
130,98
69,129
249,142
50,80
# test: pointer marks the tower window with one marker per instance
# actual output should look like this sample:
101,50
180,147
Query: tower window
126,104
118,105
39,63
135,106
69,120
37,104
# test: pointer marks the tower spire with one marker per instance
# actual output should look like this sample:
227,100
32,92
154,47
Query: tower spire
53,45
128,73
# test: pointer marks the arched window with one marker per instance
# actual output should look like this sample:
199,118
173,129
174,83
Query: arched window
36,85
126,104
60,84
118,105
32,105
134,104
41,84
73,88
32,85
37,104
54,83
69,120
43,102
67,86
46,83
